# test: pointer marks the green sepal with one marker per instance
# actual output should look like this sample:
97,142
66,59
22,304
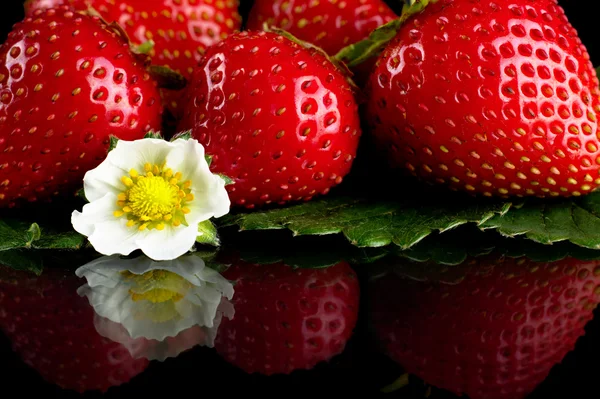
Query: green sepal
166,78
81,194
207,234
357,53
228,180
185,135
154,135
208,159
114,140
34,233
144,48
340,65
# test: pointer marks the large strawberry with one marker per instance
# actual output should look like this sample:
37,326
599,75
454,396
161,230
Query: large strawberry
489,97
280,119
330,25
66,84
288,319
492,330
181,29
52,329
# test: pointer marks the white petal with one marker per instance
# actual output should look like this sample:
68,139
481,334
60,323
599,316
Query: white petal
211,198
170,243
106,178
188,158
114,237
135,154
94,213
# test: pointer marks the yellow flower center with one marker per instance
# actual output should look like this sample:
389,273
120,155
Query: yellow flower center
154,199
160,290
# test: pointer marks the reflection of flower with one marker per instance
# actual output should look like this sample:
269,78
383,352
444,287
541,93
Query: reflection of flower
151,195
156,309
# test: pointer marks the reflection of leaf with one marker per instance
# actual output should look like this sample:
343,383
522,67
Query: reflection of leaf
30,261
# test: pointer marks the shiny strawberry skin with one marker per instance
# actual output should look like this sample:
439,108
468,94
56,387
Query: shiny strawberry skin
66,84
288,319
491,331
279,119
331,25
52,329
182,30
492,98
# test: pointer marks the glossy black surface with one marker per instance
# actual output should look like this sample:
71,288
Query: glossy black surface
361,369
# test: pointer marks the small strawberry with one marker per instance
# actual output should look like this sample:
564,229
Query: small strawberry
280,119
331,25
288,319
52,329
490,97
66,84
182,30
492,331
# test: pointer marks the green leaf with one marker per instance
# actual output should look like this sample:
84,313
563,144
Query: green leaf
576,220
113,143
154,135
208,159
207,234
357,53
30,261
367,223
17,235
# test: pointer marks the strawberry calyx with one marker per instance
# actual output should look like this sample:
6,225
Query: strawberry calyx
166,78
357,53
340,65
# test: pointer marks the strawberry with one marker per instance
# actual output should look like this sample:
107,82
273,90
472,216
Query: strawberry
66,84
288,319
494,330
180,29
52,329
490,97
331,25
279,119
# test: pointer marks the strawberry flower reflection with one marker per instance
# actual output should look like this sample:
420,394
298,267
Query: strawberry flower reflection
156,309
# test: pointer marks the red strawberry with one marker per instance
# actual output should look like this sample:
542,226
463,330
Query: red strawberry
490,97
493,331
331,25
288,319
181,29
66,84
279,119
52,329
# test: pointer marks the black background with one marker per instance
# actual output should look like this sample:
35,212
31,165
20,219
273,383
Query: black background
360,370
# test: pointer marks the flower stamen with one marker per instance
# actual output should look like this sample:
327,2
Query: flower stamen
154,199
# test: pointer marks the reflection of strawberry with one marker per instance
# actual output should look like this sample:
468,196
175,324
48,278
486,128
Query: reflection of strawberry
495,331
52,329
181,29
66,84
287,319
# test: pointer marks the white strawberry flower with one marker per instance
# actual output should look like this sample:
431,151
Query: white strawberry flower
152,195
156,309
